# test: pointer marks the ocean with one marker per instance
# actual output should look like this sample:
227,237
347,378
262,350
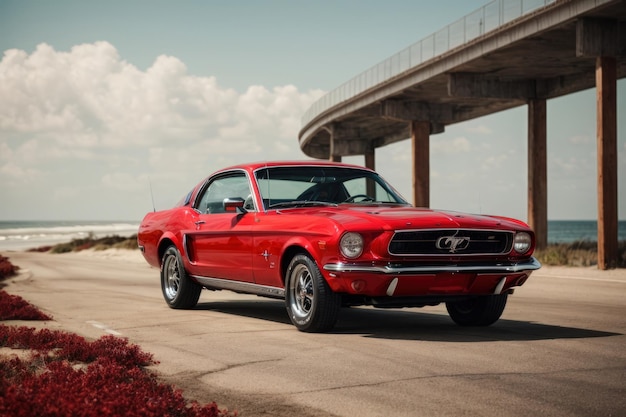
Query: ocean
22,235
568,231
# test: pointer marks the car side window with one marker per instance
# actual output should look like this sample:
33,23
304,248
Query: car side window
231,185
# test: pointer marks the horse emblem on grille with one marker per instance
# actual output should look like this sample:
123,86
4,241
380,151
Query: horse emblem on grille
453,243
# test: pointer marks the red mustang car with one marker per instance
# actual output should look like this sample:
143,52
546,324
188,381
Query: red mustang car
323,235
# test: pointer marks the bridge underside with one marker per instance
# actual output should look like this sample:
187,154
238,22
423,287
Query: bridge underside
564,48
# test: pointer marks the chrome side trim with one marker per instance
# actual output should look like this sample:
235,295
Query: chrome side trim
240,286
530,265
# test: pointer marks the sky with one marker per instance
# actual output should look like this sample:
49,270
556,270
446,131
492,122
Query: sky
106,106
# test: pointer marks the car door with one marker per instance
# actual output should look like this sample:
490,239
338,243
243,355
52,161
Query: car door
220,245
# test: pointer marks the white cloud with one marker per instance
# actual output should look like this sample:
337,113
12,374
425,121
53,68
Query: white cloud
58,108
493,162
481,129
15,175
580,140
456,145
121,181
6,153
90,98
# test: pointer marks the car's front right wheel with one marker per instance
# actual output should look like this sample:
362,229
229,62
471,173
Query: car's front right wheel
178,289
311,304
477,311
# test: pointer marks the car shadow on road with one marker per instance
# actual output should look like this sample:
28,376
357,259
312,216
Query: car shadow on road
409,325
257,308
423,325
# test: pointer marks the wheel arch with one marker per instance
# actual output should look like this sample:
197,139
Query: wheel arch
288,255
165,243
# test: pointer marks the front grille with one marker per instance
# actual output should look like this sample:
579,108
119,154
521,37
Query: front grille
456,242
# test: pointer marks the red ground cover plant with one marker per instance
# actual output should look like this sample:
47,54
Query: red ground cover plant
62,374
66,375
14,307
7,269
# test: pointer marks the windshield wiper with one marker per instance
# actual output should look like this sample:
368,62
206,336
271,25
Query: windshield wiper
303,203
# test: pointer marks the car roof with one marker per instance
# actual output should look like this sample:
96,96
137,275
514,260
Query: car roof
253,166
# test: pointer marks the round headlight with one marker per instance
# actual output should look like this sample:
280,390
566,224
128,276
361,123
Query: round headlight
522,242
351,245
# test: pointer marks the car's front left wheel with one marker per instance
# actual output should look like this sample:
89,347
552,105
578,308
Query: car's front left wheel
178,289
311,304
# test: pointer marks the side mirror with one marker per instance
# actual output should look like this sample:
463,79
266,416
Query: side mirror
234,205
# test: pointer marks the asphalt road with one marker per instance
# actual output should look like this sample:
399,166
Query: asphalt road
559,349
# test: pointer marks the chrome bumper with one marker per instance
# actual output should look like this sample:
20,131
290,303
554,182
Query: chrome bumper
509,268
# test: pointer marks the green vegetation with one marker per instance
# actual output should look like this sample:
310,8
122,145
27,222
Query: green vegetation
91,242
581,253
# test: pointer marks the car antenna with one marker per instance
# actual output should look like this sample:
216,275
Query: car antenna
151,194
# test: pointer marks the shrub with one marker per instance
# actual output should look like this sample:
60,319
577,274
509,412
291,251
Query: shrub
580,253
7,269
113,382
14,307
90,242
66,375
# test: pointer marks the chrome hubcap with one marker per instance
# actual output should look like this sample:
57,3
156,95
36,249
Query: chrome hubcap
302,291
172,277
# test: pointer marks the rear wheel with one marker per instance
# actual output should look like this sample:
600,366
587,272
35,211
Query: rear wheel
477,311
311,304
178,289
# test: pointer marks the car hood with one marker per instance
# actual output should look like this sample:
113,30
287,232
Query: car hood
404,217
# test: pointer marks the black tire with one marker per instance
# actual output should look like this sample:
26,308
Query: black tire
477,311
311,305
178,289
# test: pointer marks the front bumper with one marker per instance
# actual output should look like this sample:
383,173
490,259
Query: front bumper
502,268
428,280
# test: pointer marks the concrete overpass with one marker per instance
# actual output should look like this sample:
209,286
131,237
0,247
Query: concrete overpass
509,53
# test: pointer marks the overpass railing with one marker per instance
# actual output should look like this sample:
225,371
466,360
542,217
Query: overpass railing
489,17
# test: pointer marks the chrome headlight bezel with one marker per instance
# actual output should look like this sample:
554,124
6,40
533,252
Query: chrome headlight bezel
351,245
522,242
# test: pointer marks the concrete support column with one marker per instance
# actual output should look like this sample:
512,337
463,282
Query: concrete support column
370,160
334,155
537,171
600,38
606,90
420,146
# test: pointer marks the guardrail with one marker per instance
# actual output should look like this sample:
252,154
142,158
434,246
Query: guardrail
486,19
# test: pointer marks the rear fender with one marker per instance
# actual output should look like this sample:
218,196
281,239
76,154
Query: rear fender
167,240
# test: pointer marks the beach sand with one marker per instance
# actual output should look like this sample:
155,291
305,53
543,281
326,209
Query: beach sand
121,255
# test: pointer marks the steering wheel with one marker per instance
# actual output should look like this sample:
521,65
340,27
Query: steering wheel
352,198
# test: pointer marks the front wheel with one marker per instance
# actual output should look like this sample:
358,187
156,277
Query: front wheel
477,311
311,304
178,289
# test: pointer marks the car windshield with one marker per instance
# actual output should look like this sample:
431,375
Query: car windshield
320,185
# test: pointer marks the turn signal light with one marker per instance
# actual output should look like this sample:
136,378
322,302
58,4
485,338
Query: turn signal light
358,285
